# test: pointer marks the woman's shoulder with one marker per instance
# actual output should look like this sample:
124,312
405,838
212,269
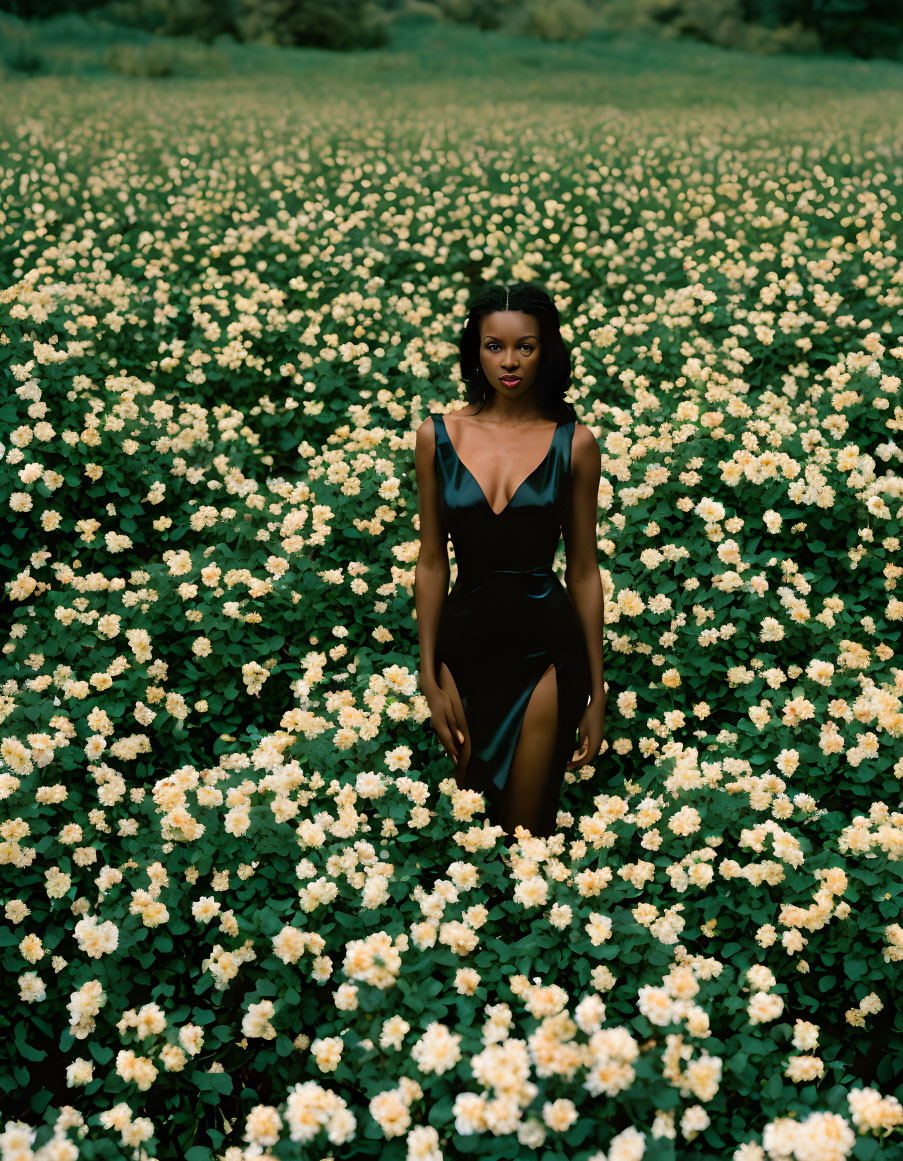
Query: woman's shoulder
427,428
583,435
585,447
425,434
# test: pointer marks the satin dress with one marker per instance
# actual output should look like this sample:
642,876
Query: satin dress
508,617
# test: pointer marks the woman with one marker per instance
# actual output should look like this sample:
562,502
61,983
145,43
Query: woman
511,660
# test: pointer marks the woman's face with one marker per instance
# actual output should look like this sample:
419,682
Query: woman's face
509,350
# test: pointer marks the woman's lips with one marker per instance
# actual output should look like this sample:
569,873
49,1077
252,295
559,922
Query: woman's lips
510,380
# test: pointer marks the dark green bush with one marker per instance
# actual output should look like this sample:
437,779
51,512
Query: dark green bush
165,59
566,20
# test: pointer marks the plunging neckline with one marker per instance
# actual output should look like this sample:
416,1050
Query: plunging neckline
541,464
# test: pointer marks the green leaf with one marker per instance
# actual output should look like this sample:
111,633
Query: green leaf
24,1048
220,1082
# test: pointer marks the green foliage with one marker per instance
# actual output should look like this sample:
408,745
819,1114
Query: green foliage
561,20
206,19
488,15
865,28
334,24
165,59
728,24
20,53
21,59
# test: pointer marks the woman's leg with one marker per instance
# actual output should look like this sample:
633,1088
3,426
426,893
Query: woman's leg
527,787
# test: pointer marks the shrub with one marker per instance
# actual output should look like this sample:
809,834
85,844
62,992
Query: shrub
562,20
162,58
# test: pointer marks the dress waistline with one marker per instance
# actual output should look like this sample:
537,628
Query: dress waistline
467,579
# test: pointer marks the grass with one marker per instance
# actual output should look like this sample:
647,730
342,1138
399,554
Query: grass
623,70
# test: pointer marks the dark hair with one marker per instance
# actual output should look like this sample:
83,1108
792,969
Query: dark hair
554,373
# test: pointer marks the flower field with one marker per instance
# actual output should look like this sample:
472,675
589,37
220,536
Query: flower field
247,912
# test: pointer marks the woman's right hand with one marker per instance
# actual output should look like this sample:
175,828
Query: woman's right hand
442,717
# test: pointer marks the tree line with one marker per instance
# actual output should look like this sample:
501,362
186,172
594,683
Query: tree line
865,28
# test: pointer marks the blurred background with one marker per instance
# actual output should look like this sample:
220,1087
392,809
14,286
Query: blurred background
192,37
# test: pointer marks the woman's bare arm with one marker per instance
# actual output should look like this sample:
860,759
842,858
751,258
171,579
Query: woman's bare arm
581,574
432,572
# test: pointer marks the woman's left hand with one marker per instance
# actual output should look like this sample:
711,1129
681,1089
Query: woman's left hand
592,727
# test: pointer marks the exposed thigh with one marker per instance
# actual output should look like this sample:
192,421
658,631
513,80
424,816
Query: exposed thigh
541,715
531,787
447,685
536,741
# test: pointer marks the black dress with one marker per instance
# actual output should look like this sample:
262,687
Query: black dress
508,617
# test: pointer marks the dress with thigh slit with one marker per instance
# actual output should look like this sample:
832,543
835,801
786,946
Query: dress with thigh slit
508,617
